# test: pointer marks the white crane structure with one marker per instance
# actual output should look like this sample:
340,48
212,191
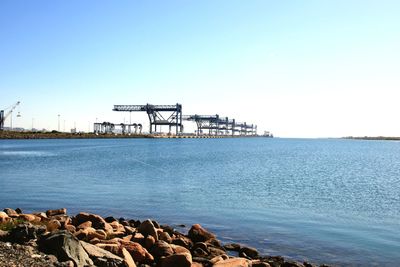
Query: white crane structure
4,116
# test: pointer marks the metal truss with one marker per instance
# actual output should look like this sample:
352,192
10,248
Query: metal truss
159,115
217,125
108,127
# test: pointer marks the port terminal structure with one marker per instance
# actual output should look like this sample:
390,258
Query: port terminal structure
108,127
216,125
159,115
207,125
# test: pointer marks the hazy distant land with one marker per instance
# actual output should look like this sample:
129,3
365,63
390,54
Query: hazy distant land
387,138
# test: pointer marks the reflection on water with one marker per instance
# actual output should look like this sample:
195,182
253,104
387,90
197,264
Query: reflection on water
331,201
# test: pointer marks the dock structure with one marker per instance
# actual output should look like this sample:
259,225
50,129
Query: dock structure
217,125
109,127
159,115
171,116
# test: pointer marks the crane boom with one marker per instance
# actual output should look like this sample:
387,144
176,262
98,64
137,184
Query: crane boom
4,117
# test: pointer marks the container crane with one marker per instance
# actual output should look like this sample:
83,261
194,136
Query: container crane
4,117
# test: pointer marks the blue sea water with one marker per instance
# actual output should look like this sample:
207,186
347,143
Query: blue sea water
320,200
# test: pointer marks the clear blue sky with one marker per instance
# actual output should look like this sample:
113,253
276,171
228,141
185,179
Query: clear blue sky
297,68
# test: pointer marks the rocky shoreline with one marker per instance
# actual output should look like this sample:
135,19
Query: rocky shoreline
53,238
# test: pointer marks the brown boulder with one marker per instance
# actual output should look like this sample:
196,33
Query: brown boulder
137,252
53,225
62,211
97,221
181,260
179,249
258,263
199,234
183,241
161,249
233,262
129,262
147,228
149,242
70,228
138,238
165,237
84,225
4,217
129,230
29,218
10,212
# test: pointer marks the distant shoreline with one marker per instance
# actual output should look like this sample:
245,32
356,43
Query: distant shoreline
378,138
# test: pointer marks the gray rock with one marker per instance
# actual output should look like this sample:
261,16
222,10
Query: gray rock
292,264
232,247
248,252
24,232
65,247
101,257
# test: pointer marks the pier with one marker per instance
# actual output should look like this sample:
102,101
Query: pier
171,116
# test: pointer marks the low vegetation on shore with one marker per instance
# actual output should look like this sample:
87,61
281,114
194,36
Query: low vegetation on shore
53,238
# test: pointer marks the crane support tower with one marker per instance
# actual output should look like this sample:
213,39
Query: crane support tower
4,116
159,115
217,125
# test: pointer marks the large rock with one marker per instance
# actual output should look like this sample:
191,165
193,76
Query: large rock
129,262
248,252
233,262
97,221
161,249
137,252
292,264
24,232
183,241
215,252
102,257
175,260
4,218
199,234
10,212
29,218
232,247
147,228
62,211
165,237
258,263
149,242
53,225
65,247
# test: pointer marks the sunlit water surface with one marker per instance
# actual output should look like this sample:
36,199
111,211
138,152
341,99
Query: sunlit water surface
325,201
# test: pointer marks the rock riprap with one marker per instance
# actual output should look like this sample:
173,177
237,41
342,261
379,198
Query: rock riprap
88,239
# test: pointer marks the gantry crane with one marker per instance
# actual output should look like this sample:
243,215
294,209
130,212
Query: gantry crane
4,117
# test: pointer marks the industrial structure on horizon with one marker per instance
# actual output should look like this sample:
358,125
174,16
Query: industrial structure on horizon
4,116
172,116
